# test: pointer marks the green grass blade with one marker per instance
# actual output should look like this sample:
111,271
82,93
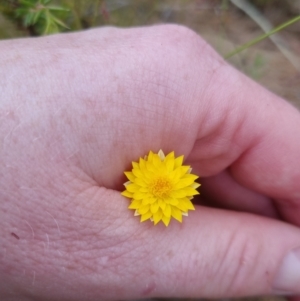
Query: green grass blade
262,37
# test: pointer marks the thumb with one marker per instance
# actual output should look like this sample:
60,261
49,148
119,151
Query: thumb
212,254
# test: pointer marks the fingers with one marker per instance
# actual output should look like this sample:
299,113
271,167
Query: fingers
256,134
214,254
272,165
96,249
168,89
225,192
131,97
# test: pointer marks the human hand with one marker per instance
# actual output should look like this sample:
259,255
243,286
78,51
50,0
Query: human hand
77,108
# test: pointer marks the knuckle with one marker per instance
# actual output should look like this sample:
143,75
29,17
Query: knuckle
242,260
179,42
182,42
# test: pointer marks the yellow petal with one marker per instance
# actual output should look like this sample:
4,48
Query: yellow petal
178,161
144,189
189,204
132,187
157,216
169,165
154,207
148,175
195,185
166,220
135,204
185,204
170,156
143,209
135,165
127,183
167,210
142,164
139,195
145,202
162,204
182,206
150,156
175,175
178,194
161,155
156,161
189,176
152,200
172,201
137,173
184,192
127,194
190,191
129,176
140,182
183,183
176,213
146,216
184,170
150,167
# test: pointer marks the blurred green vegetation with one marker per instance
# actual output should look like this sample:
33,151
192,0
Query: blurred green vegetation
42,17
222,23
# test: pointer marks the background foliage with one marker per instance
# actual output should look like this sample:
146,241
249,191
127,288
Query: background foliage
226,24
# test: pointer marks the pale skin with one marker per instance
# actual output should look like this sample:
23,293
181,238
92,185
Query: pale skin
77,108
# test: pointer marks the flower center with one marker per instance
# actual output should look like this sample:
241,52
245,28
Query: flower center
161,187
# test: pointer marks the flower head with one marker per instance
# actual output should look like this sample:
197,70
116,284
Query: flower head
160,188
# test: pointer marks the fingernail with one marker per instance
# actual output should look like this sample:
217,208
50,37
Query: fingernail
287,280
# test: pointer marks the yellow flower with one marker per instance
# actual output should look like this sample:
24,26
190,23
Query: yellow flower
160,188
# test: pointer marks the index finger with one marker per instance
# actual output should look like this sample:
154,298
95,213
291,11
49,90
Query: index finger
258,137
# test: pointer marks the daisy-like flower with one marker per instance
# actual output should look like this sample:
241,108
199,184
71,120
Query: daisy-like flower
160,188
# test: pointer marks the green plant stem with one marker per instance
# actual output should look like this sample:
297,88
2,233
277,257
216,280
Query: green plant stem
73,5
96,12
262,37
